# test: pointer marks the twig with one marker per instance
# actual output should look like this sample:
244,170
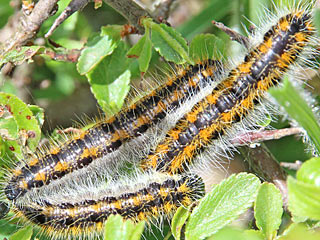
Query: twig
30,25
234,36
71,130
131,11
293,166
68,56
262,162
256,137
162,10
73,6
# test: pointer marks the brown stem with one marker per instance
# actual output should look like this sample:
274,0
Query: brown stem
67,56
29,25
234,36
131,11
256,137
263,163
73,6
162,10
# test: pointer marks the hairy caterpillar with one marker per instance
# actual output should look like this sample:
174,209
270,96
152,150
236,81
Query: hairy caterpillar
234,97
144,198
106,137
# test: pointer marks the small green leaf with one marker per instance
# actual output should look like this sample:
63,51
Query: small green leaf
22,234
110,80
38,112
18,56
204,46
26,123
116,93
113,31
97,48
143,51
178,220
168,42
118,228
304,199
310,172
222,205
268,210
288,97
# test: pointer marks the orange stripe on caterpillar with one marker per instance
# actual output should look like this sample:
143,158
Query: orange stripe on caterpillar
161,195
108,136
235,97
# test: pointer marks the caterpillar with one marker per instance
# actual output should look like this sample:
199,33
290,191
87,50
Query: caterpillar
100,142
145,198
235,97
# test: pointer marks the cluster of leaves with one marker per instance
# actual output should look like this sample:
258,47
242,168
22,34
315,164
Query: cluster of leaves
109,64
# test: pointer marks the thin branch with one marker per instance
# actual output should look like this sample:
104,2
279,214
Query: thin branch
234,36
73,6
29,25
162,10
256,137
292,166
131,11
263,163
71,55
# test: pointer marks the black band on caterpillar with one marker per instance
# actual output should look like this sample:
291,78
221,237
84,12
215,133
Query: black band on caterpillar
107,137
234,97
161,196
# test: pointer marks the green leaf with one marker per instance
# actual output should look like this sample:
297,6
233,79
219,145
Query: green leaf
178,220
298,232
118,228
268,210
288,97
168,42
97,49
110,80
38,112
254,234
143,51
25,122
7,229
204,46
22,234
116,93
222,205
228,233
310,172
304,199
113,31
18,56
